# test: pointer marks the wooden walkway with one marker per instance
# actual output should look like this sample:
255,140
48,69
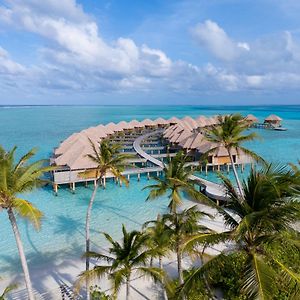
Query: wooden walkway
213,190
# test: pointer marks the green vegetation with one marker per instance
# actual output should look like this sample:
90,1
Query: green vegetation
260,249
107,158
175,182
124,258
261,227
18,177
261,260
229,133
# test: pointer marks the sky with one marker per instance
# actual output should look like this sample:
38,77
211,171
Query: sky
192,52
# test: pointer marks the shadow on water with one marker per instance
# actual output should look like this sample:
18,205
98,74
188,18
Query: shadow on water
68,226
102,204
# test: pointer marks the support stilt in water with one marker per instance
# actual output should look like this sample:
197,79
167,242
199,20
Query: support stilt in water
148,175
55,188
218,168
104,182
206,170
228,168
139,176
128,177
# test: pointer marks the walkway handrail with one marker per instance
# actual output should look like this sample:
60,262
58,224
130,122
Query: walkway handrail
213,190
137,147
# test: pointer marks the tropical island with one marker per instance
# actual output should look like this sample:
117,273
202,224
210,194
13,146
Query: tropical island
181,254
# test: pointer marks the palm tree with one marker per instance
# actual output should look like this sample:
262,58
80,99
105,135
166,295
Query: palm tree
229,133
261,226
108,158
16,178
183,226
128,257
158,241
175,181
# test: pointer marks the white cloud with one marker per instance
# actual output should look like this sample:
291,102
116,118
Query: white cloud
211,36
76,56
8,66
254,80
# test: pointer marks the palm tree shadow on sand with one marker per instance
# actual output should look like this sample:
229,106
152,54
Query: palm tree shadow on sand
45,266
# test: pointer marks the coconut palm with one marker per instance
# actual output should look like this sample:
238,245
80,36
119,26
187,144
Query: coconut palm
107,158
182,226
261,226
229,133
125,258
158,241
175,181
16,178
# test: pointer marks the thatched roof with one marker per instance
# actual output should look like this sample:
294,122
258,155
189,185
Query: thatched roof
185,144
183,135
201,120
114,127
251,118
173,120
104,129
178,128
161,121
190,121
136,124
273,118
168,131
125,125
148,122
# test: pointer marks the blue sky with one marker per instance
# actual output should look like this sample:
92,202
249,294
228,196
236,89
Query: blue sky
150,52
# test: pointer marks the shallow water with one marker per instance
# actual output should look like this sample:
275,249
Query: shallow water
62,233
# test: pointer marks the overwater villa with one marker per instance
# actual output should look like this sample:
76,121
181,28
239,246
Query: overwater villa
251,119
150,142
273,120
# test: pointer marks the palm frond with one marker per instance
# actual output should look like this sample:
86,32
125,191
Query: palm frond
27,210
259,279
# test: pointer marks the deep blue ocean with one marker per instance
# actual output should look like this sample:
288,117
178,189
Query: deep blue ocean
62,233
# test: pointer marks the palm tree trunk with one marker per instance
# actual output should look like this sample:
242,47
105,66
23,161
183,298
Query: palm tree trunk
165,296
160,263
151,262
127,288
87,236
14,225
235,173
179,266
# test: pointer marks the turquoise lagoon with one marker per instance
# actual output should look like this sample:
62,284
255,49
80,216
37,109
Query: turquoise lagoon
62,234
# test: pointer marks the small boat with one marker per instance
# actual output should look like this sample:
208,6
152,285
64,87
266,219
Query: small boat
280,128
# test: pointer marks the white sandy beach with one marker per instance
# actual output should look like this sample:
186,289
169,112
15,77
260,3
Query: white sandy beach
47,279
